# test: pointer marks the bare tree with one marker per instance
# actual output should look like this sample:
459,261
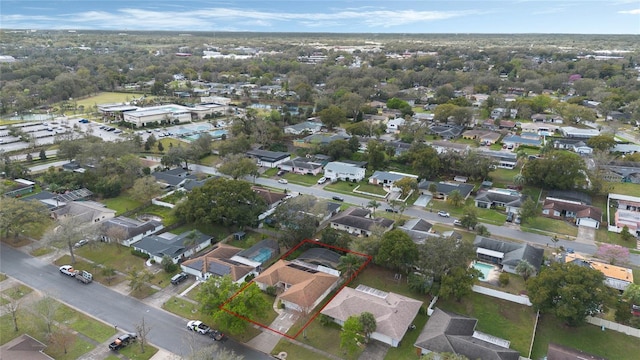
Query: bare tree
143,330
62,338
117,235
12,307
69,231
46,309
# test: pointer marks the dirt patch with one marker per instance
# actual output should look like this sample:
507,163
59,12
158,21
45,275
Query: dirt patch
16,243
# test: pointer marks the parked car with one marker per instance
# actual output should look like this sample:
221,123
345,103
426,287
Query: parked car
322,180
338,198
216,335
443,214
198,326
80,243
391,210
178,278
457,222
518,220
510,217
122,341
281,172
283,181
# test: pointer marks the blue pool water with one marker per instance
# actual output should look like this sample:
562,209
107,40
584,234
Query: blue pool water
485,269
262,255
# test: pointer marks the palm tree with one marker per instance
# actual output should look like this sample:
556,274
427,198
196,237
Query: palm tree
374,205
455,198
525,269
348,265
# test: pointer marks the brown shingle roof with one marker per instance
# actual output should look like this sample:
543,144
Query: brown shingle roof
305,287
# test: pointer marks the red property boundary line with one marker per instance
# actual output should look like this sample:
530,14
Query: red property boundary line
368,259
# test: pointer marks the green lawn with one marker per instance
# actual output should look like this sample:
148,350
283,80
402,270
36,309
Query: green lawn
625,189
106,97
383,279
296,351
406,350
546,225
108,254
270,172
516,285
323,337
308,180
81,323
636,276
121,204
42,251
17,292
372,189
497,317
134,352
165,213
589,338
502,177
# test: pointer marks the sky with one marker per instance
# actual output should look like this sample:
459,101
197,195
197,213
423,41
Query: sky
345,16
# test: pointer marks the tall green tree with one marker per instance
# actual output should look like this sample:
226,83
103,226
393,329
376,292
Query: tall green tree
458,282
332,116
238,166
525,269
349,264
223,201
559,170
570,292
455,198
397,251
369,324
146,188
351,335
375,154
18,216
528,211
440,255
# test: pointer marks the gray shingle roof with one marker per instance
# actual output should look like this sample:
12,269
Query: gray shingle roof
513,252
452,333
173,247
446,188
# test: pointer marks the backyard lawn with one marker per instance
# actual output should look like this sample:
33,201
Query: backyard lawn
497,317
121,204
588,338
625,189
502,177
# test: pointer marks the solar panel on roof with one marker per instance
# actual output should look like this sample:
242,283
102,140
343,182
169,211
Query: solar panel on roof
371,291
218,269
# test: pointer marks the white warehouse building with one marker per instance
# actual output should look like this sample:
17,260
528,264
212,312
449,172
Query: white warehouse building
158,114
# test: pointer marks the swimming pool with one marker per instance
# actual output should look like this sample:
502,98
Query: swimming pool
485,269
263,255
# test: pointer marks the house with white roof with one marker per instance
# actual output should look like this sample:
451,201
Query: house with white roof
393,125
337,170
573,132
310,127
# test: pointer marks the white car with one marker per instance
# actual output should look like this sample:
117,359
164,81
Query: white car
283,181
80,243
67,270
443,213
198,326
322,180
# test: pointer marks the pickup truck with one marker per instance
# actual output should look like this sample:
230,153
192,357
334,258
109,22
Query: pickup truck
122,341
84,277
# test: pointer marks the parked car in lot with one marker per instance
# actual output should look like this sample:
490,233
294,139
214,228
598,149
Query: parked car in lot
322,180
198,326
283,181
178,278
443,214
338,198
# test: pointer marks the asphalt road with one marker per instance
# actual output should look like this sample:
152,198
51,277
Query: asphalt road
167,331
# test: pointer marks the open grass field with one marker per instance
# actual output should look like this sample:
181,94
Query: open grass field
589,338
106,98
497,317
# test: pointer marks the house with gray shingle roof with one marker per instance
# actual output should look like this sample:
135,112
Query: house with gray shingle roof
444,189
355,222
510,200
127,231
447,332
303,127
507,254
218,262
176,247
394,313
302,166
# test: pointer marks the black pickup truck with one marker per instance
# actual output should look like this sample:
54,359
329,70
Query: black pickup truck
122,341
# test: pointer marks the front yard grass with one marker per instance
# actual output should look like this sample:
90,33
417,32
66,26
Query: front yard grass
44,250
589,338
81,323
296,351
134,352
308,180
546,225
504,319
372,189
326,338
17,292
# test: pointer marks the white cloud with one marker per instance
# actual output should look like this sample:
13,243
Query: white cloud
212,18
630,12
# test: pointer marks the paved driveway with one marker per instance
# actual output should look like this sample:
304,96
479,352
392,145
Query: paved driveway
586,235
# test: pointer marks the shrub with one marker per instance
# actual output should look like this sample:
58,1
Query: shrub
140,254
271,290
324,320
249,277
504,279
